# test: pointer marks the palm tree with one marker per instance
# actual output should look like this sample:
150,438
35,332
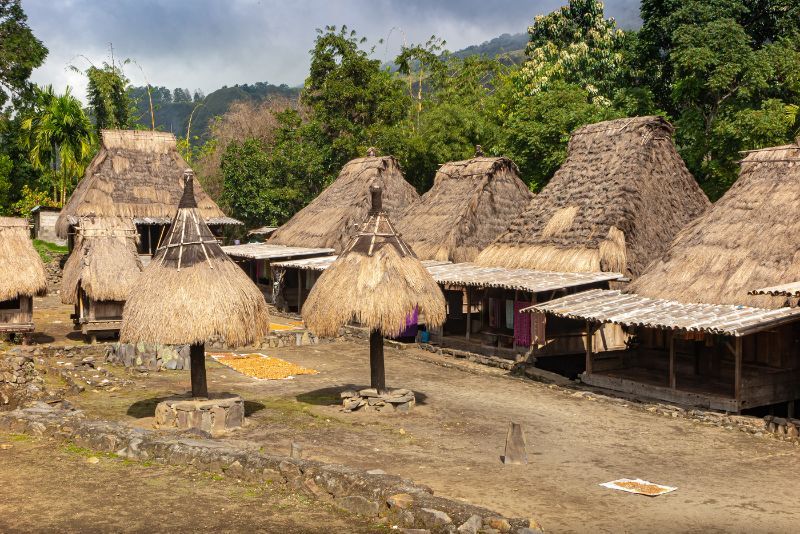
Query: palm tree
60,138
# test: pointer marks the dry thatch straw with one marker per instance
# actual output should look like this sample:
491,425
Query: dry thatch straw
192,292
377,281
21,269
331,219
614,205
136,174
746,241
104,262
470,204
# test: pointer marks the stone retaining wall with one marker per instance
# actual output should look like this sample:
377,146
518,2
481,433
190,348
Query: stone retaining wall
372,494
19,380
151,357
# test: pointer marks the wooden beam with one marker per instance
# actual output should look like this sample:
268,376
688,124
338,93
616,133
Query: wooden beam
672,378
514,321
737,388
589,335
299,290
469,314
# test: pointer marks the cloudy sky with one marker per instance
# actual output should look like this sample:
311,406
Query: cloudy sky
205,44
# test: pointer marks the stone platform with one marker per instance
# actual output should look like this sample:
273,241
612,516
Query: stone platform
215,415
396,400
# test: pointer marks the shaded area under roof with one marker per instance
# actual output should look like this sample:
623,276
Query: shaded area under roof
265,251
611,306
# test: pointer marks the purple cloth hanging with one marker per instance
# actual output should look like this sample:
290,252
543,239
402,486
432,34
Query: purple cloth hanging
522,324
411,324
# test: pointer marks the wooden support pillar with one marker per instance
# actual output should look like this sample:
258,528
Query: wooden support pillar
672,378
589,336
197,355
376,368
469,313
299,290
514,321
737,387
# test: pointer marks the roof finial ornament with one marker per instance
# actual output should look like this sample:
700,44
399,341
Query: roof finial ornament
372,152
377,201
188,200
478,151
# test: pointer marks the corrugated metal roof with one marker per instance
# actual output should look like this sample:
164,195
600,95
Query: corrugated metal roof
470,274
265,251
73,220
792,289
611,306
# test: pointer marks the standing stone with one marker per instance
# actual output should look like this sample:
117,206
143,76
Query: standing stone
516,448
297,451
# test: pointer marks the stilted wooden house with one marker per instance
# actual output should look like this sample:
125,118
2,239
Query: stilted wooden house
22,276
101,272
696,334
136,174
470,204
331,219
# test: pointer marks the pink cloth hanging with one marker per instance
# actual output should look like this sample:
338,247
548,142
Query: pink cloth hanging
522,324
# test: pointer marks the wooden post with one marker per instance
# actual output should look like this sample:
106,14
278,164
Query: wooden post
737,387
672,378
589,336
376,369
469,314
299,290
197,354
514,321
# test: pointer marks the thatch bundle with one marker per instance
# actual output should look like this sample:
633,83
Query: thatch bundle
21,269
746,241
376,281
331,219
104,262
470,204
136,174
620,197
191,291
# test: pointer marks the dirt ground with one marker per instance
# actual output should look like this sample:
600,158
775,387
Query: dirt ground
50,487
728,481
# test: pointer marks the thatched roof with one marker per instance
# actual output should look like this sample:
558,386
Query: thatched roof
191,291
470,204
376,281
747,240
136,174
21,268
104,262
331,219
615,204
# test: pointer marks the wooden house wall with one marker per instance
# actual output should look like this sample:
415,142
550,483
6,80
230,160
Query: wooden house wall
13,313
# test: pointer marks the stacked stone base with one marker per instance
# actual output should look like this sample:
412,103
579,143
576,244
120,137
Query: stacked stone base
214,416
398,400
151,357
781,426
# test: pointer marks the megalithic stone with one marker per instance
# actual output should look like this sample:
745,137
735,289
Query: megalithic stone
516,448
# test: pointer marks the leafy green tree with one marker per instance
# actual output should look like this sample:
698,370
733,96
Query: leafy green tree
29,199
20,50
108,92
59,137
6,166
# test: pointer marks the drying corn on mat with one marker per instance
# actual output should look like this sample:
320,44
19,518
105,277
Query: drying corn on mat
639,486
278,327
261,366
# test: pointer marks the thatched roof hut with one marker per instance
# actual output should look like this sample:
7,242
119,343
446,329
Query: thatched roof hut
21,270
615,204
331,219
136,174
470,204
191,291
747,240
376,280
104,263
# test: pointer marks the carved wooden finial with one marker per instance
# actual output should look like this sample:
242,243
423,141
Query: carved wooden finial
371,152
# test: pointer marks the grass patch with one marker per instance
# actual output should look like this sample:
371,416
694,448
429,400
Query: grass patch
86,453
19,438
47,250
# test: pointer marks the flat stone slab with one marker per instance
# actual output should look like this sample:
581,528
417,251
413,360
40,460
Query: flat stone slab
214,415
397,400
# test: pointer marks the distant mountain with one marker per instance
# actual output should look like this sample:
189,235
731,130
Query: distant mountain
173,116
506,45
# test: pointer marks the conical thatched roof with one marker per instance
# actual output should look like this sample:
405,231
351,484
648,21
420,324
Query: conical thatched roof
21,268
749,239
470,204
614,205
104,261
191,291
377,281
331,218
136,174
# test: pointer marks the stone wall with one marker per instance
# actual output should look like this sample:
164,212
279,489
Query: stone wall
19,380
150,357
373,494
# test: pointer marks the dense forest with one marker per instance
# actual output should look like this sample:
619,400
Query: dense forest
726,73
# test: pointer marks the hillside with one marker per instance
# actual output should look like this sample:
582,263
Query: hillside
505,46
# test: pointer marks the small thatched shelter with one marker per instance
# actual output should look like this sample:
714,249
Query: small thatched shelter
746,241
136,174
376,281
470,204
332,218
620,197
102,270
22,276
192,292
